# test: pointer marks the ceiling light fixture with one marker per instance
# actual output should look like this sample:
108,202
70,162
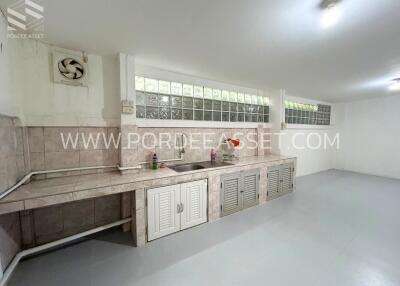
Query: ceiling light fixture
395,84
330,13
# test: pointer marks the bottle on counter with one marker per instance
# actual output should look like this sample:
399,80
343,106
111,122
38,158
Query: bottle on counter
154,161
213,155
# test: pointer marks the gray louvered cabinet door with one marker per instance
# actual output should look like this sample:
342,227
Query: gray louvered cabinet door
286,178
273,186
231,198
250,185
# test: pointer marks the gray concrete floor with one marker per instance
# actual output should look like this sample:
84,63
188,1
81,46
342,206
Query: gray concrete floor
339,228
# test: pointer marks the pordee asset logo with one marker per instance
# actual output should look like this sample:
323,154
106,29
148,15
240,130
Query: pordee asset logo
200,140
25,20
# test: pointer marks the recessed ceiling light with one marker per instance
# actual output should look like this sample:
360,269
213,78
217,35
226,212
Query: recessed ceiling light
395,85
330,13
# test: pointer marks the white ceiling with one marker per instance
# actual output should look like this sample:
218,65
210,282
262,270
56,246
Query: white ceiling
257,43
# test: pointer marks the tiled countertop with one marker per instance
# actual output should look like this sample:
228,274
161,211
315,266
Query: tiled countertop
61,190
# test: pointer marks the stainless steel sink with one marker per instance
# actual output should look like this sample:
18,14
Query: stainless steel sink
186,167
197,166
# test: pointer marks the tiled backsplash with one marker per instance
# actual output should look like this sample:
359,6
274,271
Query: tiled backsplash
13,166
44,148
47,151
203,139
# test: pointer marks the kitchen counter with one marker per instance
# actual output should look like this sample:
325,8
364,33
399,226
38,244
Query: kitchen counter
48,192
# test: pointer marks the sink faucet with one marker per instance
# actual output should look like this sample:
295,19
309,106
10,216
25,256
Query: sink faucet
182,149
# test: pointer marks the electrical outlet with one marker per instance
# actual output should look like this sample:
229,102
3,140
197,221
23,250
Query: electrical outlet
127,107
127,110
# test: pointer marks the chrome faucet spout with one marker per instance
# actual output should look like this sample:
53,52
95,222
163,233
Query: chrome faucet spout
182,150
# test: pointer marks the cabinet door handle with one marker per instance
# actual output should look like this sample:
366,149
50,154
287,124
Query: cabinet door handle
178,208
182,208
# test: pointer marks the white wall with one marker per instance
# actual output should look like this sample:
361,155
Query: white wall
10,90
303,141
371,137
27,88
49,104
305,145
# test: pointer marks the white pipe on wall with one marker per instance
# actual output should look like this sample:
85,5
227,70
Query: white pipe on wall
34,250
28,176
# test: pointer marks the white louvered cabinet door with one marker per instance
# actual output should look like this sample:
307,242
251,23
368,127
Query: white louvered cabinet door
163,215
194,204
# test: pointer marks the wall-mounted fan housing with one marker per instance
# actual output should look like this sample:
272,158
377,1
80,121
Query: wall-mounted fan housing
69,68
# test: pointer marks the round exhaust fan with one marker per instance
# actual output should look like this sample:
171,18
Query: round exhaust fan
71,68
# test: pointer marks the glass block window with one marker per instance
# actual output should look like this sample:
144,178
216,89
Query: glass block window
164,87
308,114
187,90
158,99
150,85
217,94
324,114
208,93
240,97
139,83
198,91
176,88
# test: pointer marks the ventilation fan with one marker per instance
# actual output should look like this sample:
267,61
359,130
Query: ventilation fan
69,68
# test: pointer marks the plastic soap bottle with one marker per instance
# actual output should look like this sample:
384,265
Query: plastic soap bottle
213,155
155,160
